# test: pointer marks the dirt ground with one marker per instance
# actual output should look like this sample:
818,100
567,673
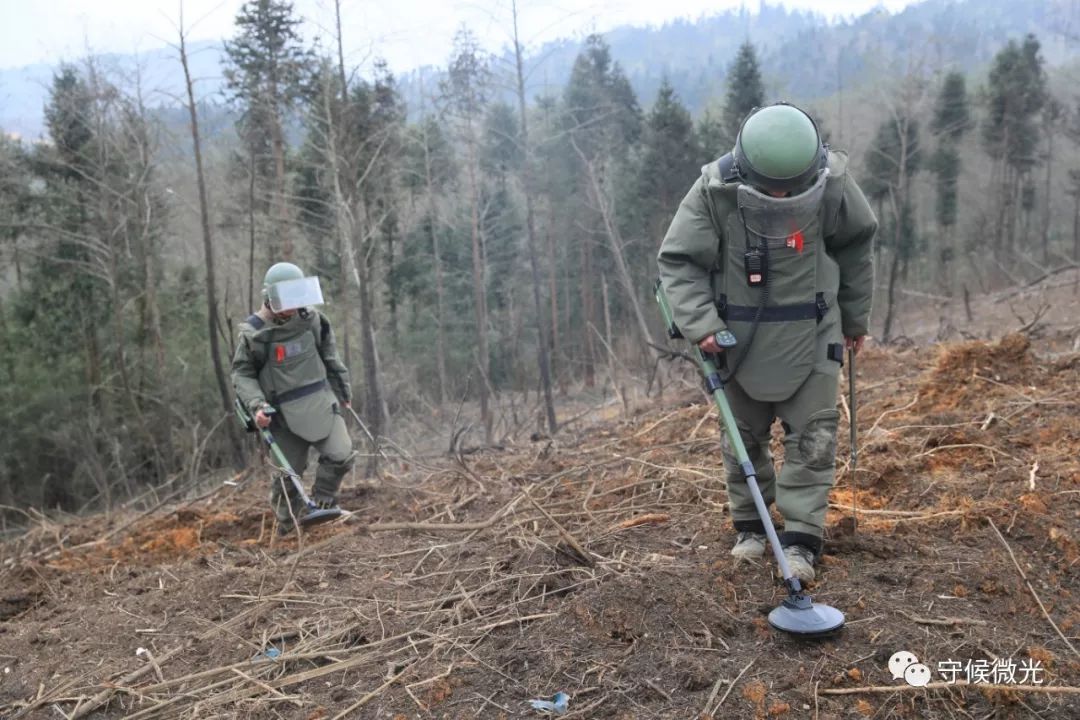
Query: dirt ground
595,563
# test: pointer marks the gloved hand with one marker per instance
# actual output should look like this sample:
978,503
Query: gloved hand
854,342
709,345
262,417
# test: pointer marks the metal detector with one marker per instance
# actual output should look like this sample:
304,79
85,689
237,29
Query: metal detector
797,614
313,514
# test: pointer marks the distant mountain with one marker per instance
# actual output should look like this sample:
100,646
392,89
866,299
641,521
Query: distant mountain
24,91
803,55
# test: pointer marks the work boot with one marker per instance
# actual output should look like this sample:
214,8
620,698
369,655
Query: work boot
801,561
749,546
324,502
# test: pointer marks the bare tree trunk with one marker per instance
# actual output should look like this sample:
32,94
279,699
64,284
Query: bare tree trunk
1046,192
585,277
440,301
553,290
530,226
208,250
281,210
251,235
886,333
615,243
373,406
346,223
395,339
479,289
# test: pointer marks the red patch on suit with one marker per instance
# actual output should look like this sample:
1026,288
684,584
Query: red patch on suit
795,240
279,353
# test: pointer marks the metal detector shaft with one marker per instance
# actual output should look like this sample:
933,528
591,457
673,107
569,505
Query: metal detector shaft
276,451
732,429
854,444
716,388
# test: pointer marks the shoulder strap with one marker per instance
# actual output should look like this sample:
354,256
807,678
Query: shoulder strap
728,172
834,192
257,347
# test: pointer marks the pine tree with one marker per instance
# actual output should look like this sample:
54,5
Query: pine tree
669,163
712,139
952,113
1016,92
951,120
465,92
265,71
745,90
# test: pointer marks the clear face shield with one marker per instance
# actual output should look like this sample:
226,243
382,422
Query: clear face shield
293,294
777,218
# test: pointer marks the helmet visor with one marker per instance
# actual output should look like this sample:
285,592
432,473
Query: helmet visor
293,294
778,218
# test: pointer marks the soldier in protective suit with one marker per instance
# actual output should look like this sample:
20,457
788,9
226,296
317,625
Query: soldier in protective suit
286,359
774,244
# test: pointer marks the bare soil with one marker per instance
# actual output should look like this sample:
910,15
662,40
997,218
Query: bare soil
595,563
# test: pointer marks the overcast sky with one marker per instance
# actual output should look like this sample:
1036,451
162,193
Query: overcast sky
408,33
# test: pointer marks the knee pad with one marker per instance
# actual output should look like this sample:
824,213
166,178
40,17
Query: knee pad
753,447
817,442
342,465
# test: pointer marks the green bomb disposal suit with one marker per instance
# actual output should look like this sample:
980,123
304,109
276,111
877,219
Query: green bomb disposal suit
294,367
820,282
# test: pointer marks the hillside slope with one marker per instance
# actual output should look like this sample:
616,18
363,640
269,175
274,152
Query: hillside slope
456,590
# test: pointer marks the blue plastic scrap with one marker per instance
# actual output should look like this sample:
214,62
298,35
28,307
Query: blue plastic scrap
556,706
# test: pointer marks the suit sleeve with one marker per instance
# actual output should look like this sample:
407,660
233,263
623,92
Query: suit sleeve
245,374
336,372
686,260
852,245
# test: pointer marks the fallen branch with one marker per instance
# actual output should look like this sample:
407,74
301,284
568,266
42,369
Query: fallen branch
102,697
947,622
564,533
367,698
638,520
1032,589
731,686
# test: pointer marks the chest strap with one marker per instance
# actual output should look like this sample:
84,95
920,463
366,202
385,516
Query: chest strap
297,393
774,313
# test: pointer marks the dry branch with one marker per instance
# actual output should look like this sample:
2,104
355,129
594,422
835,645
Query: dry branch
1032,589
638,520
946,622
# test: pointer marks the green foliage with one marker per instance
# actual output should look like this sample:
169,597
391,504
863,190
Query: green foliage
467,85
945,164
501,154
745,90
951,121
600,108
952,113
669,162
266,67
1016,92
894,157
106,380
712,139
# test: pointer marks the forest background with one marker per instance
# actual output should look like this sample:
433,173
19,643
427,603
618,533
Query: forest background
485,232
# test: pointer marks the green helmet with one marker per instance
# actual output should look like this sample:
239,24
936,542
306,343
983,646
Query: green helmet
286,288
279,272
779,148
